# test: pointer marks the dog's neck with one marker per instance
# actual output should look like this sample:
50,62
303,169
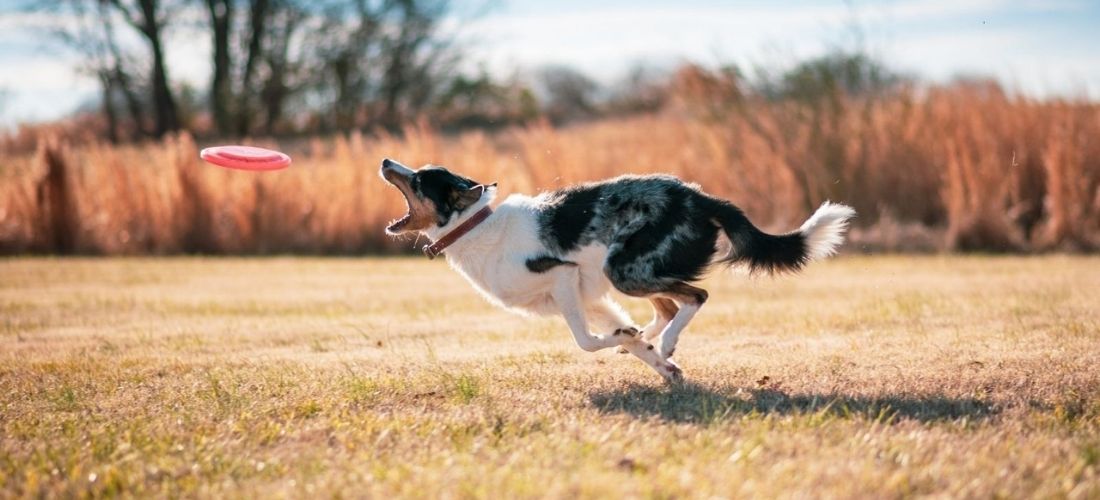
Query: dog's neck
435,233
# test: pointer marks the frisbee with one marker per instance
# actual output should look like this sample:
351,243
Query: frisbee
245,158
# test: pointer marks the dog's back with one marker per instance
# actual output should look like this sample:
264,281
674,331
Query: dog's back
655,222
660,230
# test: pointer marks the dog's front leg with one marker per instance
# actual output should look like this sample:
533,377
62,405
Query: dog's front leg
566,294
567,297
609,316
645,352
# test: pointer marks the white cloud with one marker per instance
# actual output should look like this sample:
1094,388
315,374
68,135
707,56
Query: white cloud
37,105
606,41
43,74
920,36
40,89
924,9
1026,61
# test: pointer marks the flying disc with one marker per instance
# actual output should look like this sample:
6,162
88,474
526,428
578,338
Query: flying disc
245,158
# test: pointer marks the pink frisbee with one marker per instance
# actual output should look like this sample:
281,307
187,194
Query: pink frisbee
245,158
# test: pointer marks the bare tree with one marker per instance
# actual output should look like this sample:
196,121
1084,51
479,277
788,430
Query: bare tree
234,69
120,79
281,77
380,63
345,41
259,14
412,53
92,36
148,18
339,64
221,21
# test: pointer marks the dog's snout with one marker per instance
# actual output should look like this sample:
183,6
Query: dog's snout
387,166
392,169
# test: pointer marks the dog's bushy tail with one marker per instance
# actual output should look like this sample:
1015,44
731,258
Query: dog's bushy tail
818,238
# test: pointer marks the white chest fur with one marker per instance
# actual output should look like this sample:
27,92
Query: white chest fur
493,258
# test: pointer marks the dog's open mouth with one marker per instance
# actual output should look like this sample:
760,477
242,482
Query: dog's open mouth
400,177
397,224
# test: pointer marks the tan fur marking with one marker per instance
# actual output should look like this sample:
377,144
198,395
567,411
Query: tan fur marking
664,308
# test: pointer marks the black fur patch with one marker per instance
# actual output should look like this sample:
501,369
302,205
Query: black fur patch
442,187
659,231
573,209
687,258
546,263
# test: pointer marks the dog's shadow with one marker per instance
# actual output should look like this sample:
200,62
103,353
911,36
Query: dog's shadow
692,403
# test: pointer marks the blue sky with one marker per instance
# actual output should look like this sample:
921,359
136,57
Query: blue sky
1042,48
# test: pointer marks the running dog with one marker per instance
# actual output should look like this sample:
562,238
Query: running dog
561,252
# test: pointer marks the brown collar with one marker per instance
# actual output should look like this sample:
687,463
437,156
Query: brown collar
433,250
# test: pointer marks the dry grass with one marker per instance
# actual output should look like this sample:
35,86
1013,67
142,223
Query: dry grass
964,167
867,377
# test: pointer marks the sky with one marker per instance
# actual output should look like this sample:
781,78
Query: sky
1041,48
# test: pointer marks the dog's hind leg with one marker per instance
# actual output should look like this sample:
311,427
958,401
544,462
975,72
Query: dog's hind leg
665,295
663,312
691,298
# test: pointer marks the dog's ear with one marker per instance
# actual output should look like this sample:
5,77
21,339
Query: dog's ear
463,198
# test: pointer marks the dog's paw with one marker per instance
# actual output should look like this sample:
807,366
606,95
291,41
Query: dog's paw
671,373
629,331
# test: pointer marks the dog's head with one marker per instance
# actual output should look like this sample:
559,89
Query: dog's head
434,195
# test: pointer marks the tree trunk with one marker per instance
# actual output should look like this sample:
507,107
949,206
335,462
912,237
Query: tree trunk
167,119
274,94
119,78
133,104
275,90
393,86
221,21
165,104
257,33
108,83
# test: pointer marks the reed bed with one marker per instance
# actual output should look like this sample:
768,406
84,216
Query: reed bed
961,167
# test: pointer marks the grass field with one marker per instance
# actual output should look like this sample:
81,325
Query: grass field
866,376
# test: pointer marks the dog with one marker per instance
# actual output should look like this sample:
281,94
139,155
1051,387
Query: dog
561,252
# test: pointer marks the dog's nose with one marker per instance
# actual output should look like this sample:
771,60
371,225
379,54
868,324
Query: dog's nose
391,170
388,167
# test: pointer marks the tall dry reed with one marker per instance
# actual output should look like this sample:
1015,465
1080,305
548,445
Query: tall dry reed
962,167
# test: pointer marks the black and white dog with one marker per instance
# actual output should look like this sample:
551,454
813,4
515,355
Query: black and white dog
561,252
